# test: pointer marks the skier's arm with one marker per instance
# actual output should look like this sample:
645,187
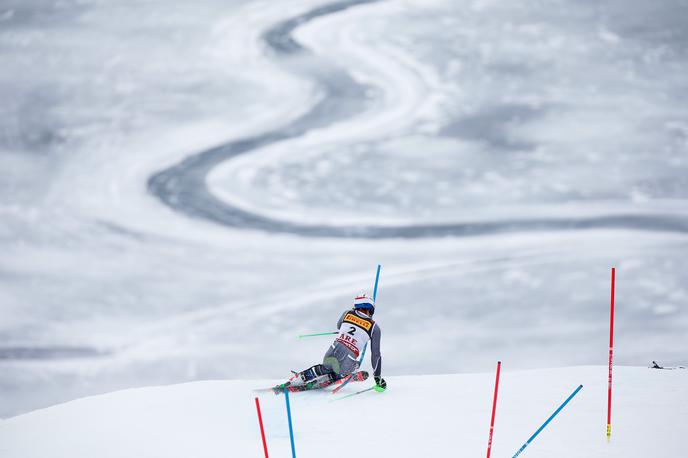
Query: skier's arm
375,356
341,320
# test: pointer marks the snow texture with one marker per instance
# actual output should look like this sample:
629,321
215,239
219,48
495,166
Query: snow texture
440,415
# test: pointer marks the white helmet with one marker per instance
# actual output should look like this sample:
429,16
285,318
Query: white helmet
364,302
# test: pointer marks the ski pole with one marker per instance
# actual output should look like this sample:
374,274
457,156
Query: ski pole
548,420
353,394
318,334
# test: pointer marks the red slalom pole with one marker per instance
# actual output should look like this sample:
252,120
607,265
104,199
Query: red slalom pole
611,354
494,409
262,431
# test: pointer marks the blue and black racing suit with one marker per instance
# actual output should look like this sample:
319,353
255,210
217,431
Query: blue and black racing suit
356,329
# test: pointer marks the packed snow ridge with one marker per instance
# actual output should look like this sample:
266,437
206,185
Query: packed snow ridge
431,415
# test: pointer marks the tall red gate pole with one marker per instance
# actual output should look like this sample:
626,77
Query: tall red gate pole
494,409
611,354
262,431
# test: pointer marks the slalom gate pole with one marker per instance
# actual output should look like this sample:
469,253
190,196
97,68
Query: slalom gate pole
494,409
377,278
575,392
291,429
262,431
365,347
611,354
318,334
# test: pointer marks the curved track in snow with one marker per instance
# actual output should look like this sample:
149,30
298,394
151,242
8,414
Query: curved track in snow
183,186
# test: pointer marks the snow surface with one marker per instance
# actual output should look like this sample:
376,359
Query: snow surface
438,415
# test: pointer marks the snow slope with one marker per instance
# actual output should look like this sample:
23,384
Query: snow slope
437,415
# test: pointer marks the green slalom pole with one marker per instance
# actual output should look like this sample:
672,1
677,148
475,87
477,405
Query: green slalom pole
318,334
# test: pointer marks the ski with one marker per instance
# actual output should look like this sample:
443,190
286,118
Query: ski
355,377
358,376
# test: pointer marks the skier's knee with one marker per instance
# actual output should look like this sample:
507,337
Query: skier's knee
332,364
316,371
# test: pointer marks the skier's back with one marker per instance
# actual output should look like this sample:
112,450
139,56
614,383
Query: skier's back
356,329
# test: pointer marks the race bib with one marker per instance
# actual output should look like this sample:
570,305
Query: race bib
353,333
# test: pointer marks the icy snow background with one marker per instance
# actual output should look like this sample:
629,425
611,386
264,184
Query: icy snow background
472,113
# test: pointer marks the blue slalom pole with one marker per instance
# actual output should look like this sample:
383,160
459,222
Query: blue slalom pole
377,279
360,361
291,429
548,420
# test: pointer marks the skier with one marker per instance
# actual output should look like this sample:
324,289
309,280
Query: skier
356,328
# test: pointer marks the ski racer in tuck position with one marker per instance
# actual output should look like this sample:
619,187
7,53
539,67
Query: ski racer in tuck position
356,329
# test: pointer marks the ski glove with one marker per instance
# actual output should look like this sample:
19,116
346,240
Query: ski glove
380,384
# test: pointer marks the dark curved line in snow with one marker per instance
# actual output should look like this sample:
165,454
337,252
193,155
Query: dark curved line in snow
46,353
183,187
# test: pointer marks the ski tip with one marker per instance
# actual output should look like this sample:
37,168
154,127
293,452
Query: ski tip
263,390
